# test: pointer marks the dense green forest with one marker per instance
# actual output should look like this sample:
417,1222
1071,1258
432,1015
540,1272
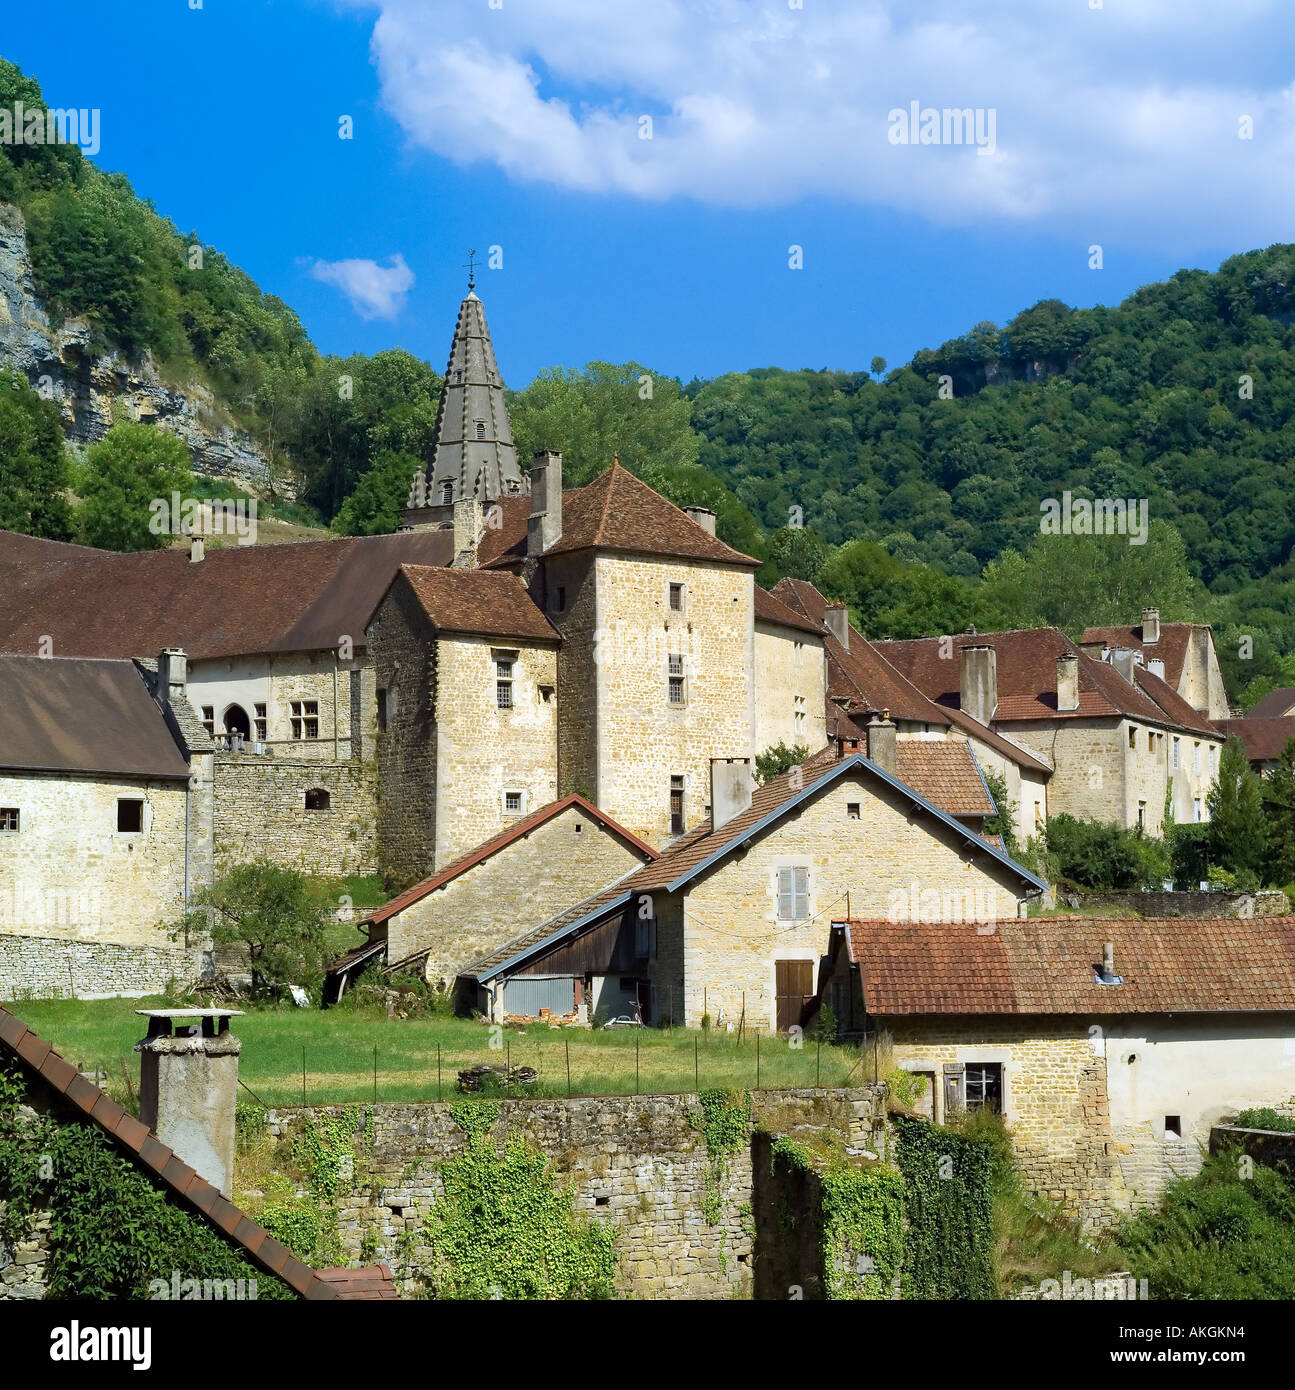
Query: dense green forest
913,494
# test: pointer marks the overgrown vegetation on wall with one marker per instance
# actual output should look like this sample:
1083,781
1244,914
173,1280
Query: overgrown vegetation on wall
724,1121
112,1231
506,1229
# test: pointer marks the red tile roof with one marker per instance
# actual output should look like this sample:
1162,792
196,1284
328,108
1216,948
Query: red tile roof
368,1285
501,841
1022,757
1171,648
143,1147
770,609
1263,739
1275,704
239,600
1047,966
943,770
486,603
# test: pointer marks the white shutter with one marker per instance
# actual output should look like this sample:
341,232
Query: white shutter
802,893
786,905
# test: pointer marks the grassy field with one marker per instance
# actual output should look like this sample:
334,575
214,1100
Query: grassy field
339,1058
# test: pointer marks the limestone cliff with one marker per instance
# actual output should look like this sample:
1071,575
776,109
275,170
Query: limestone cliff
94,388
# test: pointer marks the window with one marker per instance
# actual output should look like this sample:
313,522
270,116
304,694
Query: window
503,683
1213,751
317,799
130,816
800,714
560,599
1175,753
676,598
852,810
984,1087
1173,1126
1133,737
1196,759
209,719
1151,741
797,654
676,677
793,894
259,722
447,493
1038,813
382,708
676,805
644,938
513,803
9,818
481,429
305,719
1196,809
1142,815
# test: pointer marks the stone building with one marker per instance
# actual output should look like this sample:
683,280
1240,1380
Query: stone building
1109,1047
1180,654
105,825
1122,743
733,919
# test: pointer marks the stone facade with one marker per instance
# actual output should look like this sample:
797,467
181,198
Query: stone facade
261,812
53,967
719,938
790,688
560,861
637,1162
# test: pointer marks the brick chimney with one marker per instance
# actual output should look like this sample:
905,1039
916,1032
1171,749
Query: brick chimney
188,1079
703,516
1067,681
172,676
978,682
881,741
1150,626
837,618
544,527
730,789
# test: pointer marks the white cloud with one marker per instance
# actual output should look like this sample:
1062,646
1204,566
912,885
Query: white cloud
375,291
1118,123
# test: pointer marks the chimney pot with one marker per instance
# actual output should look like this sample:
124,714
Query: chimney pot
1108,958
197,549
544,526
703,516
1150,626
881,742
730,789
837,618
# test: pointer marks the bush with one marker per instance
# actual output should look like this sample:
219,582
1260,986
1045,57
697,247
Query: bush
1103,855
1264,1117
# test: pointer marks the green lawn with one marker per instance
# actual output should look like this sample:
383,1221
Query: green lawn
339,1054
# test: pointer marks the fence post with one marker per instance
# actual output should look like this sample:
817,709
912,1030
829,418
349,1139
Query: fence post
375,1073
438,1071
637,1086
568,1047
818,1061
696,1064
303,1075
757,1059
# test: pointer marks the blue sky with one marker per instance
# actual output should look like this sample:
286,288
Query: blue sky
518,126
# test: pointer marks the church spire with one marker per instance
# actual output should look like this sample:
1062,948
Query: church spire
473,454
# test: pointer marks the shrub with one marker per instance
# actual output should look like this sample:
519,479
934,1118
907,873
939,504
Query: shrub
1264,1117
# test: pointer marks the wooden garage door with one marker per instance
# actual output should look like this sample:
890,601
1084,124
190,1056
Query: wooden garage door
795,987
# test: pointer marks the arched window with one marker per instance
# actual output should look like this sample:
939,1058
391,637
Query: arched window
447,492
317,799
237,722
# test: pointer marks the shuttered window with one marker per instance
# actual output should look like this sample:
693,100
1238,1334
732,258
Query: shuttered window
793,894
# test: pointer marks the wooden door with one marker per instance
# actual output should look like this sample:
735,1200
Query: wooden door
794,982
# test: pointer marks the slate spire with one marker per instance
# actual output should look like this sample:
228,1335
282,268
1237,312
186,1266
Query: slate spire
473,454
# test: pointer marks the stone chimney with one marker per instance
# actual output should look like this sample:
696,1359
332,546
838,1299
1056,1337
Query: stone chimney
978,682
172,676
1067,681
730,789
703,516
197,549
469,526
1150,626
1108,958
188,1083
837,618
881,742
1122,659
544,528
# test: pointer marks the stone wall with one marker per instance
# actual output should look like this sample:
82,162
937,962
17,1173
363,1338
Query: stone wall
573,579
634,1161
1194,904
790,688
260,812
556,864
1272,1148
41,967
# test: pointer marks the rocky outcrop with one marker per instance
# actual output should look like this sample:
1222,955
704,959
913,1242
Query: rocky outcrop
93,388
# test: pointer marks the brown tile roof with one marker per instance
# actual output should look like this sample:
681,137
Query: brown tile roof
144,1148
861,674
943,770
487,603
501,841
61,714
770,609
1263,739
1275,703
1022,757
1177,710
1027,678
1171,648
505,543
238,601
618,511
362,1285
1046,966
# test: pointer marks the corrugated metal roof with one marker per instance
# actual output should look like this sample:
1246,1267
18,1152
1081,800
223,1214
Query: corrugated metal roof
68,714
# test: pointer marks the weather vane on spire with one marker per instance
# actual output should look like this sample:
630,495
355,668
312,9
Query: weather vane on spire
471,268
